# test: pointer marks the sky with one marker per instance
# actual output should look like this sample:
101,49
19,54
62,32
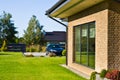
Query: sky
22,11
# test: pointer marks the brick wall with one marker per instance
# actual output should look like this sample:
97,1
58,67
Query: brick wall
107,18
99,14
114,36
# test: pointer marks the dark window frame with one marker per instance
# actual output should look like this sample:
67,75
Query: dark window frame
88,34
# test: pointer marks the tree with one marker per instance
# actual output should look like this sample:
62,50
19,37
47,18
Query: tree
7,28
30,32
38,33
33,34
21,40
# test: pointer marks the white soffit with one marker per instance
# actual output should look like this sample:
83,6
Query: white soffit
73,6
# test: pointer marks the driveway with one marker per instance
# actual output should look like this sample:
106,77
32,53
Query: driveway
36,54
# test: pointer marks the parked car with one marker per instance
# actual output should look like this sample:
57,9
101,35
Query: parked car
54,48
62,45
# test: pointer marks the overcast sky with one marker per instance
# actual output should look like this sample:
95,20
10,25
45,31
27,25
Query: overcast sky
22,11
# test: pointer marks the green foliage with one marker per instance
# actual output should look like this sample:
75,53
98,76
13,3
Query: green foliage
17,40
32,49
35,48
27,49
93,76
30,32
43,49
4,47
7,28
64,52
33,34
21,40
103,73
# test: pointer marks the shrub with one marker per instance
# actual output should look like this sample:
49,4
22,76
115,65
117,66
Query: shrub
113,75
64,52
27,49
4,47
43,49
35,48
32,49
103,73
52,54
93,76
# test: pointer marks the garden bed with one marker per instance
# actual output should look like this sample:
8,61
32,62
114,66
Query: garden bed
99,78
106,75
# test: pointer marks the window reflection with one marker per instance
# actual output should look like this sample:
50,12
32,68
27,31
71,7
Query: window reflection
85,44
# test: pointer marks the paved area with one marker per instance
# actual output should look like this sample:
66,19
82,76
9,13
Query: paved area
77,72
36,54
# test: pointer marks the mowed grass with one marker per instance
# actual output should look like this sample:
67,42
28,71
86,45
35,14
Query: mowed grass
15,66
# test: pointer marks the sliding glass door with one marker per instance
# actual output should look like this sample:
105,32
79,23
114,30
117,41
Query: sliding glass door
84,42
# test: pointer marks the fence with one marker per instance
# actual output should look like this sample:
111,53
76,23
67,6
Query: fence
16,47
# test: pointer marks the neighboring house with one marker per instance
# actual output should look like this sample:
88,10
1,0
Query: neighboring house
55,37
93,33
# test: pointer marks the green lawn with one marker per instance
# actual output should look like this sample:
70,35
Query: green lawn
84,59
14,66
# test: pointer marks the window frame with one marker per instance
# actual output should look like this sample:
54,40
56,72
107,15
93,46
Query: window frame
88,37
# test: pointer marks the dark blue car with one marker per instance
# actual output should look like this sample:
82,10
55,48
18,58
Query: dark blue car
54,48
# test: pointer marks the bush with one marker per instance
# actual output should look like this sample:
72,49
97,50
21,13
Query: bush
103,73
64,52
52,54
35,48
27,49
32,50
93,76
4,47
43,49
113,75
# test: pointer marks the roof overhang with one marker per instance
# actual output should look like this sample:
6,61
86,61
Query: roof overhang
66,8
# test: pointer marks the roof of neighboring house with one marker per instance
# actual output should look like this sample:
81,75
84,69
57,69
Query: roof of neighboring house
66,8
59,36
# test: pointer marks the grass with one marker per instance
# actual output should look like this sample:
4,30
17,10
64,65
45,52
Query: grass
14,66
84,59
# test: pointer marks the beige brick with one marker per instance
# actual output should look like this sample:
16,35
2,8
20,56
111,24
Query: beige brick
107,18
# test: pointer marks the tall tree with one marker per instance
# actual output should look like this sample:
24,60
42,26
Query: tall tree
7,28
38,33
34,32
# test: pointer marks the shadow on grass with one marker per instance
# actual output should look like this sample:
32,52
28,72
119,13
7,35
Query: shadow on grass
5,54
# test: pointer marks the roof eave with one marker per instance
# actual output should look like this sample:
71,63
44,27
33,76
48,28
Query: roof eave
63,8
49,11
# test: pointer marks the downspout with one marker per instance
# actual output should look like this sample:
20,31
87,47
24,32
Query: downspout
66,36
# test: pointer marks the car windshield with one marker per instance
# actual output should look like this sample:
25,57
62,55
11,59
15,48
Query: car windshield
54,46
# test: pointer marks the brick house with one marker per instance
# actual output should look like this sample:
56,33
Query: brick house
93,33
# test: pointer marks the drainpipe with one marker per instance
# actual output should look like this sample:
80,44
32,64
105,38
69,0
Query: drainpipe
58,21
66,35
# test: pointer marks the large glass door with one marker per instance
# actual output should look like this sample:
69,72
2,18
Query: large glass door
85,44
